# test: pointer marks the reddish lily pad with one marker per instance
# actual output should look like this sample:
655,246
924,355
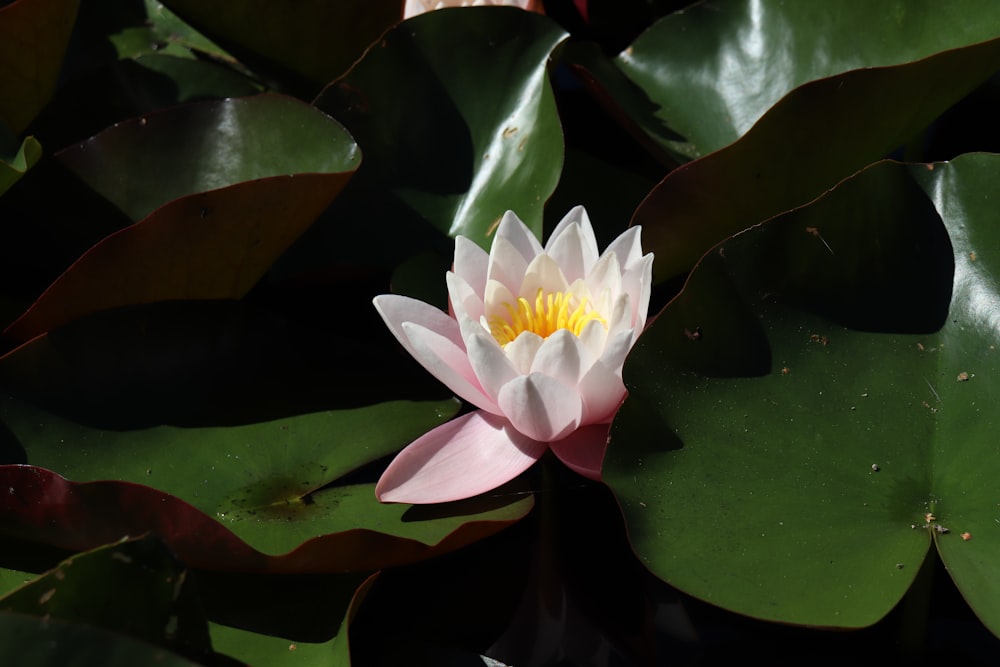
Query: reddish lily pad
217,216
252,498
817,135
33,39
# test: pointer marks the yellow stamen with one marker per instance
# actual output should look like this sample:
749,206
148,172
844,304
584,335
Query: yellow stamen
548,314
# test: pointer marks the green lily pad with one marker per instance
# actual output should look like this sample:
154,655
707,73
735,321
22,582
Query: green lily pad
249,498
817,135
713,70
815,408
151,599
14,167
30,640
458,123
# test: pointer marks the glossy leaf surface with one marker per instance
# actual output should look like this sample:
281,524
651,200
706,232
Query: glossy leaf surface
810,397
251,498
817,135
714,69
452,153
220,206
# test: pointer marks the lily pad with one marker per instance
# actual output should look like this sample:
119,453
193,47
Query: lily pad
814,409
251,498
34,35
306,44
151,601
729,62
442,150
12,168
216,217
817,135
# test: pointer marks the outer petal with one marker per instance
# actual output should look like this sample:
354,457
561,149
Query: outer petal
628,246
583,450
467,456
449,363
471,263
602,391
541,407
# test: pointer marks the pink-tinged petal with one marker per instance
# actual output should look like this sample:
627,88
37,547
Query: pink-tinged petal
396,309
583,450
574,251
602,391
471,263
541,407
490,364
449,363
545,274
463,298
469,455
517,234
560,357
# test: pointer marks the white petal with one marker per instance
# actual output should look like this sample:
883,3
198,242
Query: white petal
573,252
605,277
616,349
621,315
594,336
541,407
628,246
471,263
637,281
490,364
559,357
522,351
506,266
602,391
449,363
577,216
543,273
517,234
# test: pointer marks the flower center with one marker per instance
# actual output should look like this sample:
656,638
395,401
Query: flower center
549,313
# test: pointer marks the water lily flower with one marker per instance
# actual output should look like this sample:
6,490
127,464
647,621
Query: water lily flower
535,338
414,7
